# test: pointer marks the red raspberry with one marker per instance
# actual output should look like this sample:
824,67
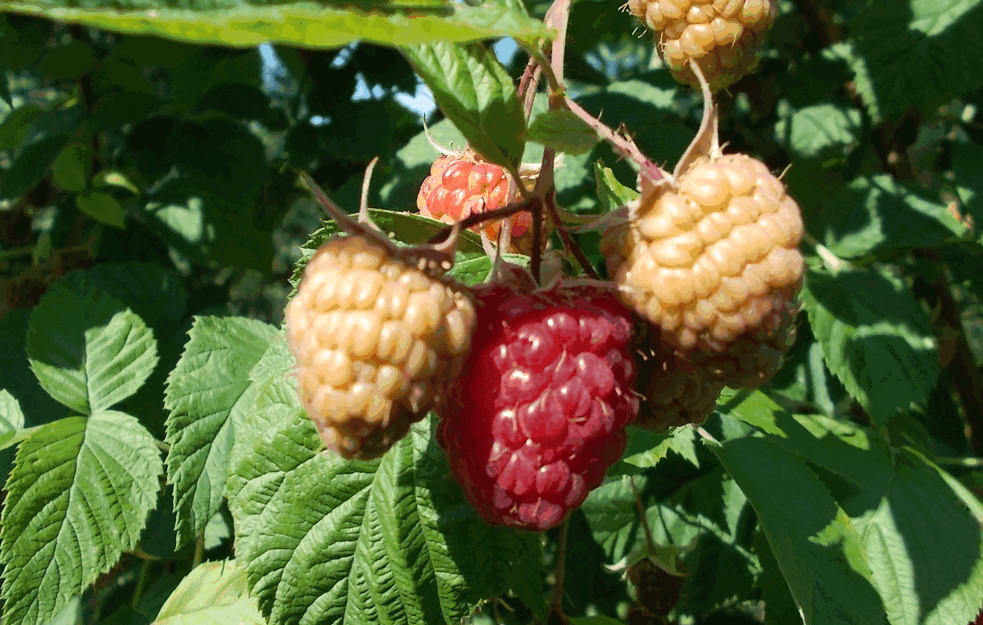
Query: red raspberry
460,185
542,403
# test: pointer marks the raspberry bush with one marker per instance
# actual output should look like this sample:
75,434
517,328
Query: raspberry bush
670,313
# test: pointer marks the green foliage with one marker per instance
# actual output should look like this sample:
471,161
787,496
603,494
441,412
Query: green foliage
156,461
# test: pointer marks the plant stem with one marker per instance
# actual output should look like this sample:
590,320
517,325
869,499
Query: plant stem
480,218
199,551
141,584
966,463
568,241
556,600
623,145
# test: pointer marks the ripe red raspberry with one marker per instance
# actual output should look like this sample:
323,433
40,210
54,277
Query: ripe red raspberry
542,402
460,185
722,36
712,260
375,338
675,393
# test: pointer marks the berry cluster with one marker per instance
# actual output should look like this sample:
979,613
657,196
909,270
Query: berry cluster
535,385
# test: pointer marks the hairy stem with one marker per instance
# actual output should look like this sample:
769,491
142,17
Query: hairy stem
480,218
623,145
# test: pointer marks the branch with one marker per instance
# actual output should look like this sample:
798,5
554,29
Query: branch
623,145
480,218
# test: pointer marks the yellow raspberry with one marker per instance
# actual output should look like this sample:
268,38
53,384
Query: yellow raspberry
675,393
712,260
374,337
722,36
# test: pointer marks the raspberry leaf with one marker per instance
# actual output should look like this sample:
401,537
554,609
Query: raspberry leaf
875,338
78,497
563,131
828,574
476,93
206,397
214,592
88,350
896,501
820,130
304,24
385,541
914,53
875,215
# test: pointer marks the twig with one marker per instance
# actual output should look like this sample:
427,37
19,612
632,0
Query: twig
480,218
568,241
536,257
556,600
623,145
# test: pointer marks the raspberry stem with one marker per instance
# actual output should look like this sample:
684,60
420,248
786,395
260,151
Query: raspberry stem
480,218
556,600
623,145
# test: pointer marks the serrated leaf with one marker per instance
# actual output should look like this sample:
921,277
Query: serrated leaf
387,541
87,349
204,398
102,207
610,192
301,24
875,337
474,271
819,129
875,215
78,497
11,419
406,228
214,592
71,167
818,548
476,93
914,53
646,449
563,131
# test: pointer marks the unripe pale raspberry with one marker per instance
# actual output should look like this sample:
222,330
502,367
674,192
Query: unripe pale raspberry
712,260
722,36
460,185
543,401
374,337
675,393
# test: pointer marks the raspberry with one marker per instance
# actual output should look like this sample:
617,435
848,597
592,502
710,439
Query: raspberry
543,400
460,185
711,259
722,36
675,393
374,336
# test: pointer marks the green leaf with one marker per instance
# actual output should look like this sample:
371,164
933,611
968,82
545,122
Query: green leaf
302,24
87,349
387,541
914,53
875,337
966,158
11,419
610,192
214,592
476,93
646,450
875,215
204,398
477,270
563,131
31,165
71,167
406,228
16,126
101,207
924,546
820,129
818,548
78,497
